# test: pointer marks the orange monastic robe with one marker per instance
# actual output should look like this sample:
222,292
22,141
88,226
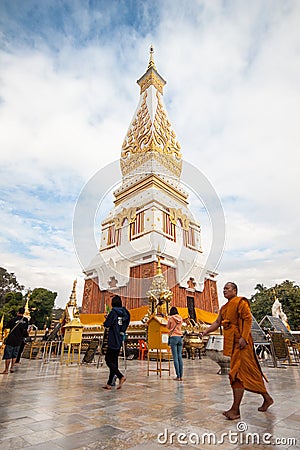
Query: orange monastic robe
244,367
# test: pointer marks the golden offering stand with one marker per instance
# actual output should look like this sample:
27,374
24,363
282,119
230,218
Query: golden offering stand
3,335
158,334
72,340
192,343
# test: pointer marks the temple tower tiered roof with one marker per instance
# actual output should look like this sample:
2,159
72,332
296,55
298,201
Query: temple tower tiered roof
150,210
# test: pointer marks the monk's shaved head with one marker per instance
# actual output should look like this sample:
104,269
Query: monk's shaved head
233,285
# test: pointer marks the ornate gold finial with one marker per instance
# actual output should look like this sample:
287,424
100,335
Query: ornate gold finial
1,326
72,301
151,59
158,270
159,294
151,77
27,312
151,135
71,311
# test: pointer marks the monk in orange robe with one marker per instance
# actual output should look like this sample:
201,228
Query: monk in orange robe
245,372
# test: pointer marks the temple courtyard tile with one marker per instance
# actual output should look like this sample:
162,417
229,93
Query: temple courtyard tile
49,406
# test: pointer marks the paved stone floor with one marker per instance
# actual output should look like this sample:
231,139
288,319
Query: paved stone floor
51,407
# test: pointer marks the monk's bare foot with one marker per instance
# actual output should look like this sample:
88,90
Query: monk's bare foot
268,401
231,414
4,372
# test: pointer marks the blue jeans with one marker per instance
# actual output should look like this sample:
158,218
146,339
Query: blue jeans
176,347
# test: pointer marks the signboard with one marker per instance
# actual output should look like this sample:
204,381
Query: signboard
91,351
258,335
279,344
53,334
276,325
164,338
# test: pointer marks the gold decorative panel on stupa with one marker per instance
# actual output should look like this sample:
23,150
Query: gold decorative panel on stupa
145,137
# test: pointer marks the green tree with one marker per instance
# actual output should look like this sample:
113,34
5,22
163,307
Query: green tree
12,302
8,283
288,293
41,304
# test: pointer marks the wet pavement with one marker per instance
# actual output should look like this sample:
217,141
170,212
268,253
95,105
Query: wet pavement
48,406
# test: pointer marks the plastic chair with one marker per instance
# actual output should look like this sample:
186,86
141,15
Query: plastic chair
143,349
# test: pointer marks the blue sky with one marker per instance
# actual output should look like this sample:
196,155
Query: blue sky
68,72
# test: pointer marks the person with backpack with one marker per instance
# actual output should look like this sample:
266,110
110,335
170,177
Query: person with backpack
117,322
18,329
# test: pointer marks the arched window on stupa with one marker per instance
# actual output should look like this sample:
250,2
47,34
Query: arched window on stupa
169,228
189,238
137,227
113,236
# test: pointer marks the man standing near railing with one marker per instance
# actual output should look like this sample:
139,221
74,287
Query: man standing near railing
18,329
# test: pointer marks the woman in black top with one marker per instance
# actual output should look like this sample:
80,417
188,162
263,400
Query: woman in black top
117,322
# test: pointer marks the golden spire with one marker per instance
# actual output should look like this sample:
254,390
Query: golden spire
151,135
71,310
151,59
1,325
151,77
72,301
27,312
158,270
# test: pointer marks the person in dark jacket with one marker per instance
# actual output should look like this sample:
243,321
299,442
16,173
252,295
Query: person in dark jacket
18,328
117,322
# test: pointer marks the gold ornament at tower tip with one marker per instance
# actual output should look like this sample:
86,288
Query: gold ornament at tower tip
151,137
151,59
27,311
73,300
158,270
